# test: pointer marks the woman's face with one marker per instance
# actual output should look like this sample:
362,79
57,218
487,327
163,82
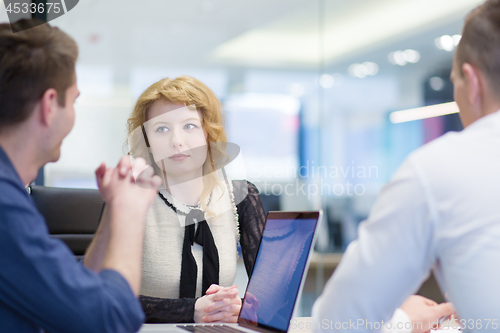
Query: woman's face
176,137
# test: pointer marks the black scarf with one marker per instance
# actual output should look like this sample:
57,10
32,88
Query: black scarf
189,269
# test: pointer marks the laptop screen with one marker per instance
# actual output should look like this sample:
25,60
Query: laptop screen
280,264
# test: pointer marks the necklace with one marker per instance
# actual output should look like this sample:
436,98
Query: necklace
178,211
169,204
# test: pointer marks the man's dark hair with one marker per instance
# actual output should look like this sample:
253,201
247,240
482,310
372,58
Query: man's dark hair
33,60
480,43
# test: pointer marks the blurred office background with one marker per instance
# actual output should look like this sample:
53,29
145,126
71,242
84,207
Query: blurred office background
308,87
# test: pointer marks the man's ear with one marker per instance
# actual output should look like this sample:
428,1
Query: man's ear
474,84
48,105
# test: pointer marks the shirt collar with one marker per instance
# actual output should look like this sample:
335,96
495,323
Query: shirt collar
7,168
485,120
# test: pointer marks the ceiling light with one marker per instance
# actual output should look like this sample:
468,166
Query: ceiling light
401,58
326,81
371,68
357,70
456,39
363,70
437,42
411,56
445,43
397,58
436,83
423,112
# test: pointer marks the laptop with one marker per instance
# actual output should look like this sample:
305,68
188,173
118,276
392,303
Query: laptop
277,278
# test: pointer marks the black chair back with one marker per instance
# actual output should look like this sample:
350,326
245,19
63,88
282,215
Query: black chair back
72,215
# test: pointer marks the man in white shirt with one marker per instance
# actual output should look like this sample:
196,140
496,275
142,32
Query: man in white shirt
440,212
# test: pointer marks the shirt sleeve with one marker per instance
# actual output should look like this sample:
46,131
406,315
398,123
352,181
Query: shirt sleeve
41,281
167,310
252,219
399,323
389,260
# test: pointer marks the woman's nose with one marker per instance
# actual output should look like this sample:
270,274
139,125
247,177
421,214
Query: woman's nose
177,140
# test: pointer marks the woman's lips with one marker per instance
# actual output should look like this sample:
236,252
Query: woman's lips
178,157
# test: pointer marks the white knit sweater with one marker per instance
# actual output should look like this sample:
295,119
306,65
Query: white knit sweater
164,237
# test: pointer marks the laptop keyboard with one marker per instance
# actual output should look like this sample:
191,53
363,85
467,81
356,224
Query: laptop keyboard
209,328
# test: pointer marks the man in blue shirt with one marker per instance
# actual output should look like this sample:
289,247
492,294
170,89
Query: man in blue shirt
41,284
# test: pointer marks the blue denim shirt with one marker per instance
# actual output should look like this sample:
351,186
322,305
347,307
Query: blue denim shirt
41,284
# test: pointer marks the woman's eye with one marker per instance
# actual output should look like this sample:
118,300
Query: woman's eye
190,126
162,129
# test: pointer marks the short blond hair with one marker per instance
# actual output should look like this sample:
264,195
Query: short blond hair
188,91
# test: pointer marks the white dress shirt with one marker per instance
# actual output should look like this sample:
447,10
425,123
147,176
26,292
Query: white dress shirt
440,211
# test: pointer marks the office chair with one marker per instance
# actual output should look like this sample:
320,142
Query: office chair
72,215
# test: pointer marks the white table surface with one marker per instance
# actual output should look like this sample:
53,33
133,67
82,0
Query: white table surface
304,322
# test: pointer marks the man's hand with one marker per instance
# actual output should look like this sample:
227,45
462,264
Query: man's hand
116,183
425,311
219,304
118,242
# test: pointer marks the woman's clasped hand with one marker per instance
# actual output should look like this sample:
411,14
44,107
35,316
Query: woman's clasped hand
220,304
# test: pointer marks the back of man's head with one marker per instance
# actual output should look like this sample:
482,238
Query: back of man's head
32,61
480,43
